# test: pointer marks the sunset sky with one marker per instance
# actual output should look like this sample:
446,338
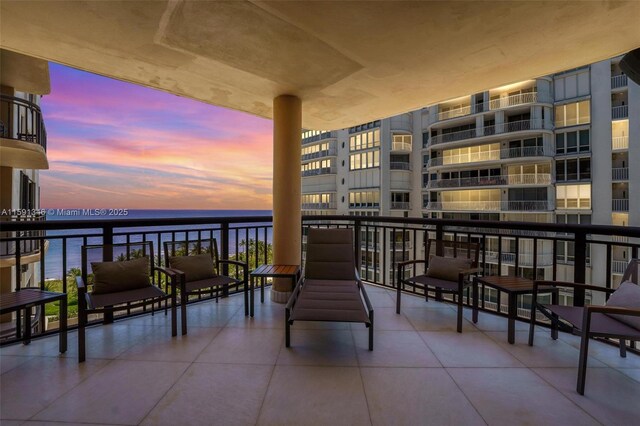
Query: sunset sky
112,144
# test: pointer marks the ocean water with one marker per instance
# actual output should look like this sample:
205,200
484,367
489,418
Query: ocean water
53,257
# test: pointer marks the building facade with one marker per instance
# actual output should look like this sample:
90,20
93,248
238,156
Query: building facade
542,150
23,143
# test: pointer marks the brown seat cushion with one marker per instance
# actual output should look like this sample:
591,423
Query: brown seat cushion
447,268
113,277
97,301
197,267
626,296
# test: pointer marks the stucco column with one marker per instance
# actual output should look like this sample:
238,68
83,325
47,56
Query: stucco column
287,219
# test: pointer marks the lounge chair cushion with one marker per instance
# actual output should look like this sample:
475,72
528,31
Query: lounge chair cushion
113,277
330,254
195,268
330,300
600,323
626,296
447,268
97,301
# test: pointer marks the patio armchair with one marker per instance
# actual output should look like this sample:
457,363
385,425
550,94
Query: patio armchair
618,319
330,288
198,268
126,284
449,266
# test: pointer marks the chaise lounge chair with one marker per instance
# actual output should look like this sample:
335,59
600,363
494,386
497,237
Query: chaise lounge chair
330,288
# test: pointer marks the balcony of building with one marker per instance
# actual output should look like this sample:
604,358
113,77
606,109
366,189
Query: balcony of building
402,122
620,205
619,174
618,81
23,137
490,130
320,171
491,206
331,152
401,143
499,101
489,155
499,180
140,374
27,247
309,136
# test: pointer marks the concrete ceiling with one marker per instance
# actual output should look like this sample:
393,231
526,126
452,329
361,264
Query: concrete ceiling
349,62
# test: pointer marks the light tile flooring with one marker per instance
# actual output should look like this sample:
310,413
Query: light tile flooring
234,370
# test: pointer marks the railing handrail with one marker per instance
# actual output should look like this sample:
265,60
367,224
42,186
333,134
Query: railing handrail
503,102
513,126
619,80
400,165
400,146
491,155
323,153
32,129
514,179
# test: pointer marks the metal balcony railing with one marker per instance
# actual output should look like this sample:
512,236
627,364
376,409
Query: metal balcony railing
400,146
620,205
320,136
618,266
400,165
620,111
250,238
524,259
492,155
30,242
496,206
503,102
620,173
620,142
319,206
400,205
523,179
618,81
22,120
514,126
331,152
321,171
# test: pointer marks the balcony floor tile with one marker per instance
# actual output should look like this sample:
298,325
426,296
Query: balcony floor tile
414,396
315,395
468,349
208,394
244,346
123,392
508,396
33,385
610,396
235,370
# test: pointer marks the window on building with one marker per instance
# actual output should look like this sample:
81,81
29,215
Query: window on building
573,169
364,160
364,199
573,196
573,114
364,140
573,142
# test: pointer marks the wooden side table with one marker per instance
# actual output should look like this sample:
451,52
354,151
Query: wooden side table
269,271
513,287
26,299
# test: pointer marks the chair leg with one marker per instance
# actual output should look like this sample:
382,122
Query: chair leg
82,322
623,348
532,324
287,328
183,311
554,326
398,296
174,318
371,331
582,367
460,310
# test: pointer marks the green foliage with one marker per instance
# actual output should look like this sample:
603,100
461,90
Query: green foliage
251,248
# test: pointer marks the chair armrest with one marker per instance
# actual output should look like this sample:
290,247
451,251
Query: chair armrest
234,262
82,287
581,286
171,273
294,295
365,296
410,262
616,310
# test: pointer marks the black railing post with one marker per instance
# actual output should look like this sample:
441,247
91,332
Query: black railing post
107,256
579,266
358,243
224,246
